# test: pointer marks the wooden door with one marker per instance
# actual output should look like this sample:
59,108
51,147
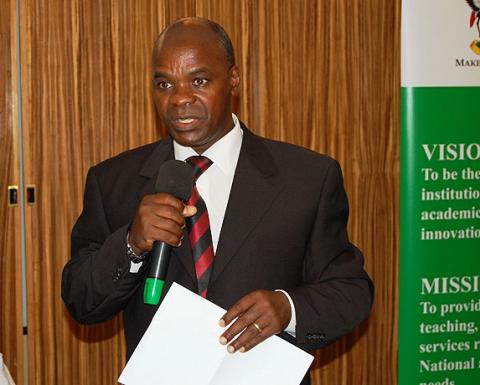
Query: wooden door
10,215
86,99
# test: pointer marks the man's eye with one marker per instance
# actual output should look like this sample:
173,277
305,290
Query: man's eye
199,82
164,85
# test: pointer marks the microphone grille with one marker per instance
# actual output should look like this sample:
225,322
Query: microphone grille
175,177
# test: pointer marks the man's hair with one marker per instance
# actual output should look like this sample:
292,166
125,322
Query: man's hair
221,34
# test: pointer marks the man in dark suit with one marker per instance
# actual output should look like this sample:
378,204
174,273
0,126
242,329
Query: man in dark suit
277,213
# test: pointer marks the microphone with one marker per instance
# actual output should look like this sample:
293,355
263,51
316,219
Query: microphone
176,178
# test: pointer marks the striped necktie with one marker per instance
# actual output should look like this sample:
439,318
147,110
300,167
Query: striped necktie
199,228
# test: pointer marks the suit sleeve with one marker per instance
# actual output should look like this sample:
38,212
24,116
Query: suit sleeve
96,282
336,294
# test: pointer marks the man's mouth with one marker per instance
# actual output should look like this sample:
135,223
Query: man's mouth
186,120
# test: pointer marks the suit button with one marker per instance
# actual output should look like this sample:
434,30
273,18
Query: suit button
315,336
118,274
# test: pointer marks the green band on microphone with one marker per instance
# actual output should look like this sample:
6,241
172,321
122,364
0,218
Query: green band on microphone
153,290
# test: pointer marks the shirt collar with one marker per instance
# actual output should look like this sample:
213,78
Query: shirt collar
223,153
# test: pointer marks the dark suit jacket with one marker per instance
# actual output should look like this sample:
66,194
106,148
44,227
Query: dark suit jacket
284,228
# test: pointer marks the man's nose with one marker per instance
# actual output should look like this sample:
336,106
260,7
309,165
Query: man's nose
182,95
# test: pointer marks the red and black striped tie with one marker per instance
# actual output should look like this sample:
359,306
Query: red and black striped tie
199,228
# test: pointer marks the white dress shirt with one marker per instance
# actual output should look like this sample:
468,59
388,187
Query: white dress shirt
215,183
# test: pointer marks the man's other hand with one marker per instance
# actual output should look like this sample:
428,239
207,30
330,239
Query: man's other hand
159,217
258,315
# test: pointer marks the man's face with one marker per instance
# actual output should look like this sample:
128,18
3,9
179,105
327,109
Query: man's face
193,87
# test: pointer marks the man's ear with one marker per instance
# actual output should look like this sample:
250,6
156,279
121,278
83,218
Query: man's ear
235,79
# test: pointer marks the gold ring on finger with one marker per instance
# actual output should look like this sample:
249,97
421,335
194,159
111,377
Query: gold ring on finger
255,325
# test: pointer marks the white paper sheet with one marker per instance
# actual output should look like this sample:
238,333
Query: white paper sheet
180,347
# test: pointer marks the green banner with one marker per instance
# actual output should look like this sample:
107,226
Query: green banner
440,237
439,315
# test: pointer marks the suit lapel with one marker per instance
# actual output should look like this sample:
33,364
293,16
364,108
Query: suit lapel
255,187
162,153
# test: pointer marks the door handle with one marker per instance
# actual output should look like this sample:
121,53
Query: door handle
13,195
31,194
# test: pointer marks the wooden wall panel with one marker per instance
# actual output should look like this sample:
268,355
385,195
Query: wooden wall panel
87,98
329,80
321,74
10,247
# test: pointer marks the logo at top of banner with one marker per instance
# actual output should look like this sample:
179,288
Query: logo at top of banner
475,19
440,57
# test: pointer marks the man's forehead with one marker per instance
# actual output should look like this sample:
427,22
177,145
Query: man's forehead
189,46
189,52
